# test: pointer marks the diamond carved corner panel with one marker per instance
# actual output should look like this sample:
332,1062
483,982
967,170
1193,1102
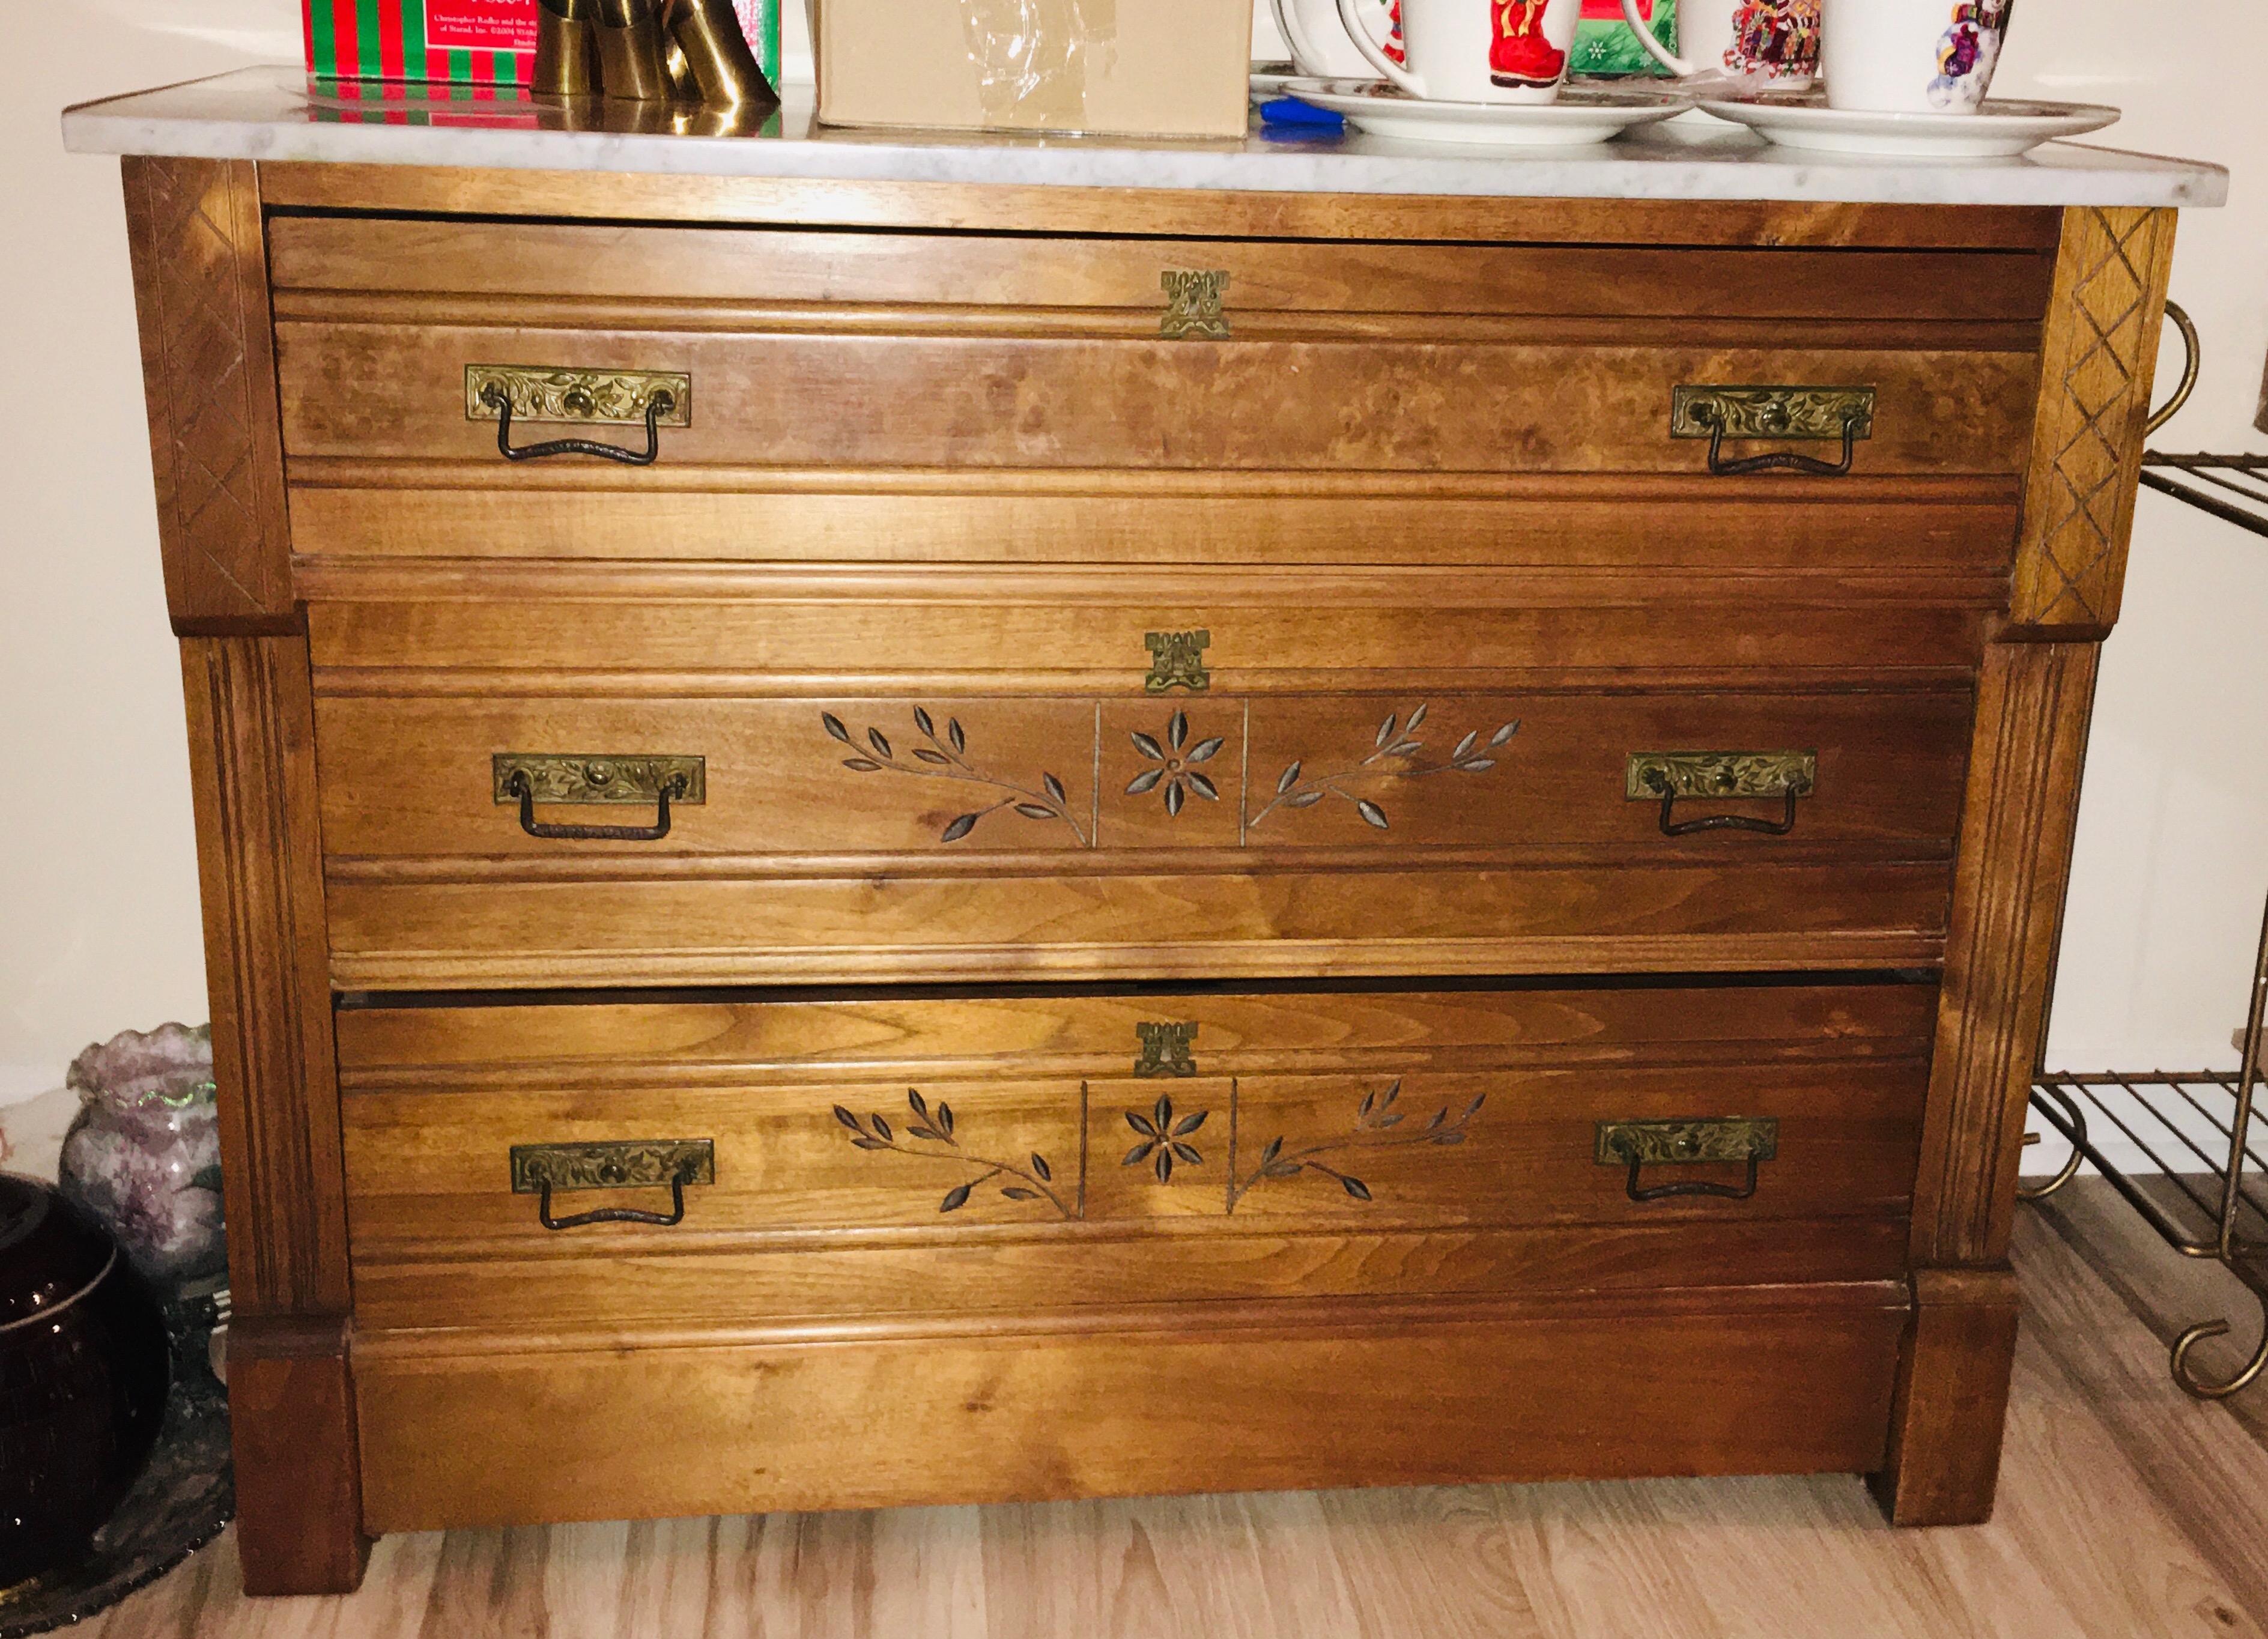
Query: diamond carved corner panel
199,273
2098,360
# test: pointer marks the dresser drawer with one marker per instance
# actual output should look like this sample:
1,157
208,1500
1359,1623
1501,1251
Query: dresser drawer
1286,833
988,396
398,393
865,1156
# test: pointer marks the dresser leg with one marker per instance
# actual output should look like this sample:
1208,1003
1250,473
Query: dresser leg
2015,860
251,718
298,1475
1952,1399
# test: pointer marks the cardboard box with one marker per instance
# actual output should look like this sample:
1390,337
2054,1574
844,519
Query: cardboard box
1134,68
466,42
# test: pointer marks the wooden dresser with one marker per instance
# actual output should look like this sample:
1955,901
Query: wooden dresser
1178,841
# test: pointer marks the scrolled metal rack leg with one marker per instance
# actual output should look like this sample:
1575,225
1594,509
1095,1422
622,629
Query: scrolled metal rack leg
2145,1109
2077,1117
2241,1260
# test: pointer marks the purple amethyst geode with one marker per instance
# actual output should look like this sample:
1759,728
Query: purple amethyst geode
144,1155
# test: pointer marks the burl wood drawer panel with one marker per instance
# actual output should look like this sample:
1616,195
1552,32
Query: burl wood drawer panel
863,1158
990,837
979,396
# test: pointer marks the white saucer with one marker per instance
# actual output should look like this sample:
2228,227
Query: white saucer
1269,78
1997,131
1583,114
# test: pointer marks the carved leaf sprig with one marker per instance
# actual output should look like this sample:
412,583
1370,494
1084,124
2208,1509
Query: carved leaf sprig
1376,1127
1163,1139
1176,760
946,757
933,1126
1396,753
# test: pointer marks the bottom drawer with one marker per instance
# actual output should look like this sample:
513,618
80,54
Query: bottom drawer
900,1160
1789,1380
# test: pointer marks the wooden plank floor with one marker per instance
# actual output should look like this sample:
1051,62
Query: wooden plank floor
2126,1510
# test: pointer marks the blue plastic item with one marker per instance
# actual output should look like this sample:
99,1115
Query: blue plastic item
1305,116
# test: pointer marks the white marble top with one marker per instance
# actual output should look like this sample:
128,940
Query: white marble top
274,114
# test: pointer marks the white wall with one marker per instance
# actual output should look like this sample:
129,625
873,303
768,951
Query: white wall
2172,866
96,878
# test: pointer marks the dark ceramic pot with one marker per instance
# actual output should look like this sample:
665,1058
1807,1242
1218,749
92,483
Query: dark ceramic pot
84,1371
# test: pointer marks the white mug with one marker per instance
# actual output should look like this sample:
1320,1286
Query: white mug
1912,56
1319,41
1764,44
1476,50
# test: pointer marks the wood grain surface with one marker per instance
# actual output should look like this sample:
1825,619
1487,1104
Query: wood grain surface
251,759
251,766
1302,1114
1862,530
1796,1379
691,630
201,298
1947,1422
1888,773
2099,363
2013,869
396,392
627,197
298,1455
1411,286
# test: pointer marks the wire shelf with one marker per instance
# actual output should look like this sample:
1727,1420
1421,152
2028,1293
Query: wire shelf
2231,487
2160,1114
2194,1127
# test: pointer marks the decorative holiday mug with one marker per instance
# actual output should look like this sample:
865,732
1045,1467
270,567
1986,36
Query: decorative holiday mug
1319,41
1913,56
1769,43
1474,50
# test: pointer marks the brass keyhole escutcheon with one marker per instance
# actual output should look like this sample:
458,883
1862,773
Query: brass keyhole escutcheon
1177,661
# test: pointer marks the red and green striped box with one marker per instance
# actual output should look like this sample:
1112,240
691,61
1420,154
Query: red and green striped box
464,42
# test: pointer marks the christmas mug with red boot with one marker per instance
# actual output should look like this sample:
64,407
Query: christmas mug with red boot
1477,50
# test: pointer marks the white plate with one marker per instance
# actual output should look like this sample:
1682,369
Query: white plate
1997,131
1582,114
1269,78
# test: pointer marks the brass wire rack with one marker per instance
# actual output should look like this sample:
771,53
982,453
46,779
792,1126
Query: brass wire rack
2231,487
2192,1127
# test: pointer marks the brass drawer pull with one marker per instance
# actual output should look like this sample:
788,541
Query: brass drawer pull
1640,1144
623,397
528,779
1819,413
540,1169
1721,776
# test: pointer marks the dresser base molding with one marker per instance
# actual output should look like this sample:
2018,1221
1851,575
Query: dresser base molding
485,1429
1952,1403
299,1483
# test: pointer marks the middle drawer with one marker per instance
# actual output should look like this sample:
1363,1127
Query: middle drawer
988,837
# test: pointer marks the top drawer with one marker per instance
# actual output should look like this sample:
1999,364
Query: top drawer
1001,359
